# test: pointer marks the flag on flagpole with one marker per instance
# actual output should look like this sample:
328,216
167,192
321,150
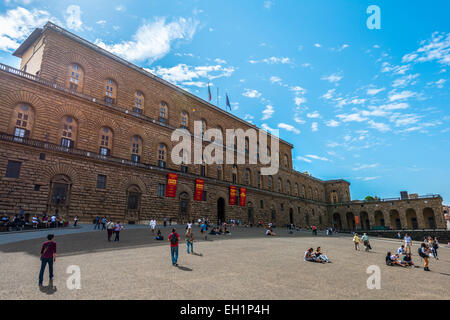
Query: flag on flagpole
209,92
228,102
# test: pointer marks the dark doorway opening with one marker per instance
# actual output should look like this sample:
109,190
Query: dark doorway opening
291,216
220,210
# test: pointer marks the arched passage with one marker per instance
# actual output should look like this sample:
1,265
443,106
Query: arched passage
395,219
184,207
250,213
59,197
350,221
337,223
428,218
411,219
134,195
364,219
379,219
273,215
220,210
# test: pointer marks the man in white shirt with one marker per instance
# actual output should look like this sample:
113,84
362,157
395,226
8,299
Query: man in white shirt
401,250
408,243
153,225
53,221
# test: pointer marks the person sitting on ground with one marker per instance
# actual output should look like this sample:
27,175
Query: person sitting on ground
213,231
227,232
396,260
401,250
388,259
159,236
320,256
309,255
407,261
269,232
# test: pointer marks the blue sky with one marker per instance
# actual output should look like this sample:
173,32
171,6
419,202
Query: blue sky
369,106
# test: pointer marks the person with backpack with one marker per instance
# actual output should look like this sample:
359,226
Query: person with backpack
424,253
365,240
174,239
48,256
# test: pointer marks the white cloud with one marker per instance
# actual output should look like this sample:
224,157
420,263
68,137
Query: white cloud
440,83
332,123
329,94
249,93
353,117
374,91
313,115
395,106
185,73
394,96
303,159
152,41
273,60
332,78
317,45
120,8
299,100
269,129
343,47
275,79
314,126
435,49
17,24
268,112
101,22
220,61
298,120
288,127
365,166
382,127
312,156
73,18
298,90
405,81
268,4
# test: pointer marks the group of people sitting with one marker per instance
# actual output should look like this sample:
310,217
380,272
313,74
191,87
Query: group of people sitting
317,256
395,260
269,231
218,231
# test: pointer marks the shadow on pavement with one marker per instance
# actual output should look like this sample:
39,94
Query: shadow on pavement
50,289
184,268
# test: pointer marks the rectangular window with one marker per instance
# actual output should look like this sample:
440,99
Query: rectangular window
13,169
104,151
135,158
101,181
161,190
66,143
202,171
21,133
161,164
184,169
205,196
261,204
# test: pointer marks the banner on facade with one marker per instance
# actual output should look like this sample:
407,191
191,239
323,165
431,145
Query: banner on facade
233,194
243,197
357,220
171,190
199,187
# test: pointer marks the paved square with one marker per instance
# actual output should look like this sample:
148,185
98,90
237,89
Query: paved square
245,265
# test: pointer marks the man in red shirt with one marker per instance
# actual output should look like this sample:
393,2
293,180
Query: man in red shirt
48,255
174,239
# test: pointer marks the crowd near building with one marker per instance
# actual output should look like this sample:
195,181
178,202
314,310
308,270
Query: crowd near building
85,133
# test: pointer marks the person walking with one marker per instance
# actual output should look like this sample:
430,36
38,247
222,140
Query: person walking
434,248
153,225
174,239
48,256
117,228
110,229
424,253
75,221
104,223
190,240
203,230
97,223
365,240
356,241
408,243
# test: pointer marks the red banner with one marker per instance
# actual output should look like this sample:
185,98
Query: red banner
199,186
243,197
357,220
171,190
233,194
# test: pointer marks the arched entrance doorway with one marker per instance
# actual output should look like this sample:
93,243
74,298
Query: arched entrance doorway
273,214
350,221
365,222
220,210
395,220
379,219
337,224
59,197
411,219
428,218
250,215
184,207
291,216
134,195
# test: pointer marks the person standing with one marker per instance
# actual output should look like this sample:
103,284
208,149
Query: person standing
75,221
203,230
35,221
110,229
424,253
48,256
117,228
356,241
165,222
174,239
435,248
153,225
170,221
104,223
408,243
97,223
190,240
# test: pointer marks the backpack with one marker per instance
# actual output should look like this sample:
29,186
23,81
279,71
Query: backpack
173,239
421,254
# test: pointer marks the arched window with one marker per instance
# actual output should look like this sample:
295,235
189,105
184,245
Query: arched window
286,161
76,76
136,149
162,154
106,140
288,187
138,102
184,120
23,120
163,113
247,177
259,180
280,183
219,172
203,127
269,182
246,146
234,173
110,91
296,189
68,132
303,192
